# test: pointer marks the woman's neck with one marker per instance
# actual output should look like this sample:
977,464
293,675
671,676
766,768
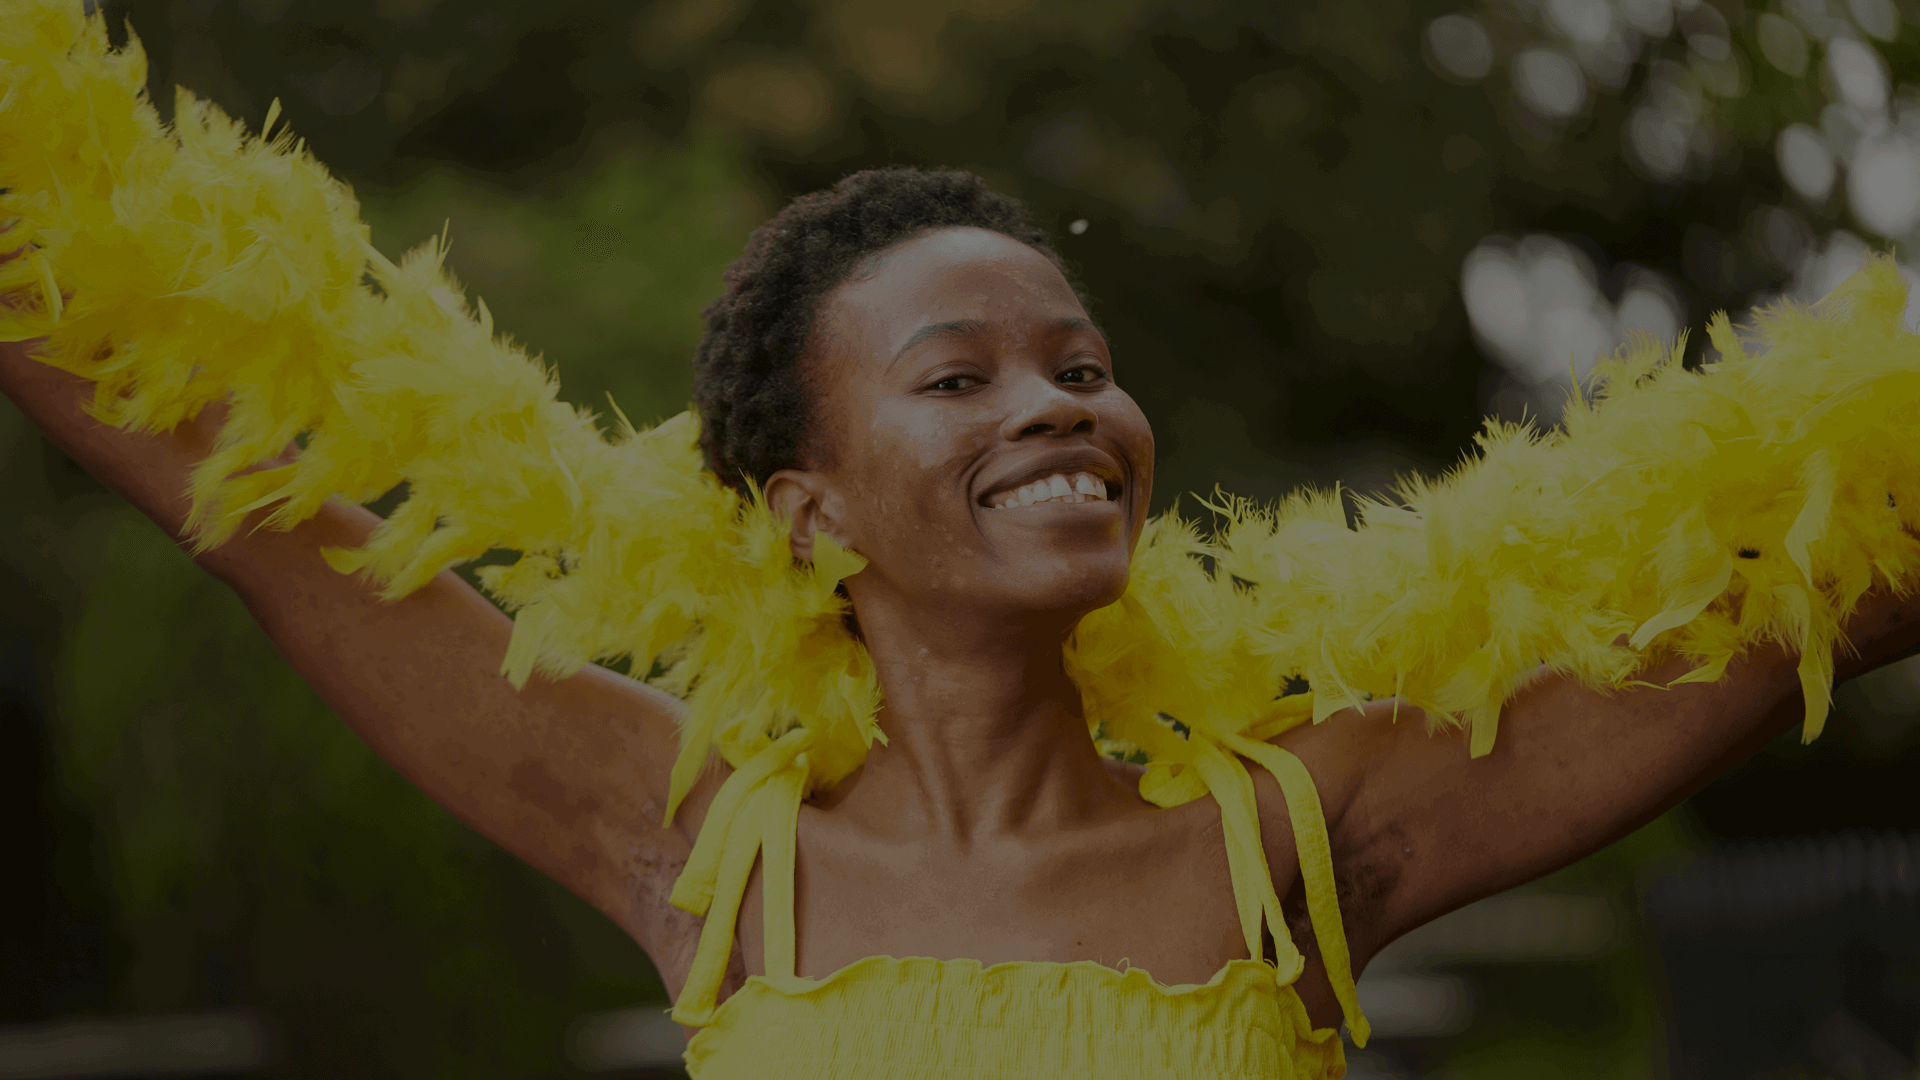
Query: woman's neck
985,736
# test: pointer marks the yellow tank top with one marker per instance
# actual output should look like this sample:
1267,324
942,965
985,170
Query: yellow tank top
887,1018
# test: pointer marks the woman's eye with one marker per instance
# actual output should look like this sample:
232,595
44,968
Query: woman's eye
956,382
1083,375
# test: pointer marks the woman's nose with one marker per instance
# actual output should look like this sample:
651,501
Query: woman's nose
1050,409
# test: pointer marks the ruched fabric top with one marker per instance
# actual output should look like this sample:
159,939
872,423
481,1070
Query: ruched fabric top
887,1018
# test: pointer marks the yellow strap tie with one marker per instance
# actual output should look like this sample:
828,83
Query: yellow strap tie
1253,893
761,797
694,889
1316,871
781,798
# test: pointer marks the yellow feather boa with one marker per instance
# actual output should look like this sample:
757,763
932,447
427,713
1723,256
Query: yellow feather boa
1692,513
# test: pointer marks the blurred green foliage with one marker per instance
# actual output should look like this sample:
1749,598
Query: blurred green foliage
603,270
1277,197
208,765
1599,1018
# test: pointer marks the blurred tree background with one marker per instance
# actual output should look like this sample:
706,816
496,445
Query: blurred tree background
1325,238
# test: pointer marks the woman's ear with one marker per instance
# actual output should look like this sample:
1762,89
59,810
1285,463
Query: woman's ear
807,501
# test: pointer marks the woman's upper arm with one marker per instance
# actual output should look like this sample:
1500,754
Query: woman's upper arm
568,774
1573,770
1423,828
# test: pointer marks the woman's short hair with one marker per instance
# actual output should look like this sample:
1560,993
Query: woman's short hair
747,383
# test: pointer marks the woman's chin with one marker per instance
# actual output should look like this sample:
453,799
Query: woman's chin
1069,588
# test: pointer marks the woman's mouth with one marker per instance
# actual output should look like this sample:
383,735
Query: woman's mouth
1078,487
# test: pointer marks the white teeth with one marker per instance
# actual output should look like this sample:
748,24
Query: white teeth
1079,488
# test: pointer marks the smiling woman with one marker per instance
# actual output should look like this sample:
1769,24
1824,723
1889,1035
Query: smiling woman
961,428
903,580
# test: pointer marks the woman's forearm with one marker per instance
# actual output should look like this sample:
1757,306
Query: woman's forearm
149,470
1885,627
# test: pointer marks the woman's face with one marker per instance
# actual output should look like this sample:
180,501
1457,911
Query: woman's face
971,441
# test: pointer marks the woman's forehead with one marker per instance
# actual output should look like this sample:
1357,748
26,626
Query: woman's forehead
957,275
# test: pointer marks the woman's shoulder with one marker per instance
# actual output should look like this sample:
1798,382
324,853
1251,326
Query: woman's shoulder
1126,772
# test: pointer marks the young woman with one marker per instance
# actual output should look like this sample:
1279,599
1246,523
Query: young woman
903,367
899,362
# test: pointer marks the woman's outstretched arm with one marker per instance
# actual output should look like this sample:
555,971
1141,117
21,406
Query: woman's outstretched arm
569,775
1418,828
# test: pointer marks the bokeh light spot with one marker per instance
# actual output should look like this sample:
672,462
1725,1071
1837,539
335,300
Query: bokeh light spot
1782,44
1654,18
1648,306
1711,46
1806,162
1660,136
1550,83
1589,22
1858,74
1460,47
1783,236
1537,310
1884,185
1879,18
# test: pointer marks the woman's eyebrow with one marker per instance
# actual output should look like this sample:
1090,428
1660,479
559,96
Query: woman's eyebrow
1074,322
954,329
967,327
